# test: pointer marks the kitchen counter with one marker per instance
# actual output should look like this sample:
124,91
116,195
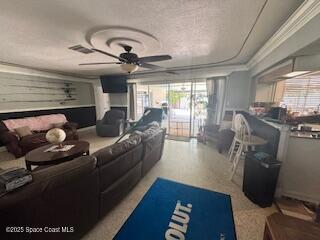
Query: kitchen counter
299,173
308,135
298,134
279,126
299,153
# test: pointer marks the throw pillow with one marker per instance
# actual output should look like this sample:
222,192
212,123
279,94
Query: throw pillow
57,125
23,131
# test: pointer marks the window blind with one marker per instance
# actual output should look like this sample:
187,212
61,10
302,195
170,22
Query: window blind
302,95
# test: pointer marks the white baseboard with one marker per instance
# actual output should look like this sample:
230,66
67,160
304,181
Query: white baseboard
297,195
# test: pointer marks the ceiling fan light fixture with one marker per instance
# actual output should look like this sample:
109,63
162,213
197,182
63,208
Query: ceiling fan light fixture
129,68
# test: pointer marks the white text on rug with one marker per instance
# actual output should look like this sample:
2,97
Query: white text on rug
179,222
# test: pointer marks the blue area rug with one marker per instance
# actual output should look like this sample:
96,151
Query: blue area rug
171,210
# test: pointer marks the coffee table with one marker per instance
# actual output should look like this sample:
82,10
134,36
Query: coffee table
39,157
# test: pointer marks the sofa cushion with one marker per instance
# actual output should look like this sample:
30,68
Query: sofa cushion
33,141
112,171
23,131
40,123
113,116
112,195
50,176
109,153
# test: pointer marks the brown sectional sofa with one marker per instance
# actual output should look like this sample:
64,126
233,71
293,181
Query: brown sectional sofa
62,195
152,140
39,126
80,192
119,170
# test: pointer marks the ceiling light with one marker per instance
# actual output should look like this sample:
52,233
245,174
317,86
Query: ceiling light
295,74
129,68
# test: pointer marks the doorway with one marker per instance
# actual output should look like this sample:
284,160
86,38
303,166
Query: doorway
179,109
184,105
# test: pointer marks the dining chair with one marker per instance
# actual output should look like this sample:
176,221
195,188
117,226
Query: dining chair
243,141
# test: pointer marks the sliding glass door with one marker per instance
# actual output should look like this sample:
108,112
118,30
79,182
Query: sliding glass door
179,109
199,107
142,99
183,104
158,95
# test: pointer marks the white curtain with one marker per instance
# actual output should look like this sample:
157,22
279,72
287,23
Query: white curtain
132,101
102,100
216,92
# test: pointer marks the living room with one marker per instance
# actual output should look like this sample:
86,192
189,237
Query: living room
160,119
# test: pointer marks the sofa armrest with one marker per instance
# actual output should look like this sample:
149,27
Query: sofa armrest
12,143
119,121
99,124
8,137
108,130
71,125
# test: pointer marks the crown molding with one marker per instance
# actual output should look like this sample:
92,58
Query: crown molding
306,12
23,70
193,71
203,70
187,75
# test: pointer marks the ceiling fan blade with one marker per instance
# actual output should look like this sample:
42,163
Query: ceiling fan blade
99,63
172,72
155,67
109,54
157,58
150,66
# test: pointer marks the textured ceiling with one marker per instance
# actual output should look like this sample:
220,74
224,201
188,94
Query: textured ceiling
38,33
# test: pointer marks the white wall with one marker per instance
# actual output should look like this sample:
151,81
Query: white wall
102,100
238,90
118,99
24,92
300,176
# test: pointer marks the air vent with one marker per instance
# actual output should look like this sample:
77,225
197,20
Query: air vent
81,49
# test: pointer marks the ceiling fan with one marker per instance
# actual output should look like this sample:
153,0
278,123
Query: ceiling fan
130,62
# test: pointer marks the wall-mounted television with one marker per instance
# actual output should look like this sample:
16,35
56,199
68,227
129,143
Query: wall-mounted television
114,84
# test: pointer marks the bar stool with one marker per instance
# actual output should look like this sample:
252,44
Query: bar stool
235,143
243,141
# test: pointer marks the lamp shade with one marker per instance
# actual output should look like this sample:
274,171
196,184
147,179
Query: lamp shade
129,68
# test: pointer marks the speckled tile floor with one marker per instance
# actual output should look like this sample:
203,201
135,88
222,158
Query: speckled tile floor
187,162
